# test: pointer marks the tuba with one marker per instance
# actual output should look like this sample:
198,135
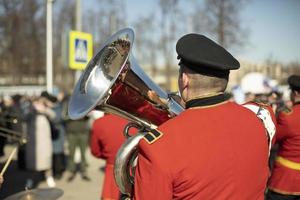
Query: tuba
114,83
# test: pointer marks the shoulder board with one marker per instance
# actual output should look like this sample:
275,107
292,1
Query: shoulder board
153,136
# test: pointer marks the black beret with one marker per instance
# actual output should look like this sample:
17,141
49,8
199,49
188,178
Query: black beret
199,53
294,82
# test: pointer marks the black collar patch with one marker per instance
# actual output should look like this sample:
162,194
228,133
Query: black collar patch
207,101
153,136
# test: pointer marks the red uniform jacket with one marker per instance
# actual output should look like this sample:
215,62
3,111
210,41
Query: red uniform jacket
107,137
285,176
214,152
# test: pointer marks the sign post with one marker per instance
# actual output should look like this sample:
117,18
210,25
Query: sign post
80,49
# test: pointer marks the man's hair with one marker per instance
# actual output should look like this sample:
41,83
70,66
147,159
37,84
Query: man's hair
204,83
294,89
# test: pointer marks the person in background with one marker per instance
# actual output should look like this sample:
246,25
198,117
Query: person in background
206,152
58,138
249,97
275,100
19,109
77,132
284,182
106,138
5,119
39,144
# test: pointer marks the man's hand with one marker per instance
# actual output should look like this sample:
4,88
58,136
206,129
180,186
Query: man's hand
155,98
1,180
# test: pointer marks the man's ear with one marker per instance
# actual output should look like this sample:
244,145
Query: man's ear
185,80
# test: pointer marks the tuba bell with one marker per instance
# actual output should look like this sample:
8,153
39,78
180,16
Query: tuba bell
113,82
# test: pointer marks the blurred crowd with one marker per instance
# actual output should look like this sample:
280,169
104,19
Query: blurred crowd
274,98
52,139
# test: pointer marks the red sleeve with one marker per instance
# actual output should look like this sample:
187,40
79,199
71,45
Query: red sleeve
151,182
282,127
95,143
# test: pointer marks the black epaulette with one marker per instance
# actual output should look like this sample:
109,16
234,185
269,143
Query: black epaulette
153,136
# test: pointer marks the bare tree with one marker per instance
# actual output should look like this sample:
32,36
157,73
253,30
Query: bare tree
168,26
145,41
104,19
222,19
63,22
101,20
21,26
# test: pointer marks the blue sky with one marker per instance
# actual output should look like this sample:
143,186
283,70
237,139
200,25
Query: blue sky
274,27
274,30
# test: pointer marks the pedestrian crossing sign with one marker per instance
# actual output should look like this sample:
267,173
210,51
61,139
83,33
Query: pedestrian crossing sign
80,49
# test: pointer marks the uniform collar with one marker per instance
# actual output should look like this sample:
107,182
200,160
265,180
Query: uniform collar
207,100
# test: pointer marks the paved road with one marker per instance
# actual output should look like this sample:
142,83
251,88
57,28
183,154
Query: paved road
15,180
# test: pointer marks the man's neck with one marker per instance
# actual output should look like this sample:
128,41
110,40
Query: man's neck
296,99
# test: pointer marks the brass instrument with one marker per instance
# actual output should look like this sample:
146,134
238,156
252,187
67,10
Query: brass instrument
12,120
114,83
14,135
37,194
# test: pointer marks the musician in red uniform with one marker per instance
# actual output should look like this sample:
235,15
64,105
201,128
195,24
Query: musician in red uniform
106,139
215,149
285,179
